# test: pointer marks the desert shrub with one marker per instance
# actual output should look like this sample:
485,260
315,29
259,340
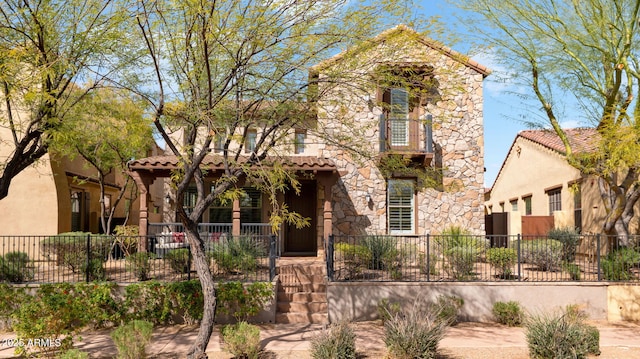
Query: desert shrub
414,333
460,262
428,264
74,354
382,251
561,335
162,303
127,237
238,254
354,257
617,265
186,299
243,301
447,308
569,238
139,263
545,254
242,340
502,259
456,236
15,267
132,338
508,313
70,249
338,341
100,306
573,270
179,260
387,309
94,270
10,300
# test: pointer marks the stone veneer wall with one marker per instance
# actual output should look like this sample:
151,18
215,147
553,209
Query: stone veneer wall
457,137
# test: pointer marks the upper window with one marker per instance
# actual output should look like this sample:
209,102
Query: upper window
527,205
218,141
401,206
301,137
399,117
555,200
514,205
250,142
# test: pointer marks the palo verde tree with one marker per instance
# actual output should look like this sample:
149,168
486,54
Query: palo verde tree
223,69
584,51
106,129
47,46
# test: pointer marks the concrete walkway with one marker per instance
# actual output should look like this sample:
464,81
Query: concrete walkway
293,340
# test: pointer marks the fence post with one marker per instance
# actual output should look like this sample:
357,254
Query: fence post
330,258
88,268
272,257
428,269
519,260
598,256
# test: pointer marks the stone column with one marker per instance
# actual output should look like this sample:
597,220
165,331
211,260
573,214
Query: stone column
235,218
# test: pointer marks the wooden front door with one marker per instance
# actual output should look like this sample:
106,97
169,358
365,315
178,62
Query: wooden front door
302,241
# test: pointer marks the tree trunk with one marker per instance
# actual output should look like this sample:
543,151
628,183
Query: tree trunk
199,347
619,203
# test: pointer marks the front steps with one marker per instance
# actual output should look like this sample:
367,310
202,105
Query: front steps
302,293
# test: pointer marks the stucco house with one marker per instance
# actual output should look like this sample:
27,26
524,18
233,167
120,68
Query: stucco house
537,189
431,121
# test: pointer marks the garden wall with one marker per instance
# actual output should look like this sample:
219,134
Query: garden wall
359,300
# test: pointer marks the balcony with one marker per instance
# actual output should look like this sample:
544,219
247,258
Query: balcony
410,138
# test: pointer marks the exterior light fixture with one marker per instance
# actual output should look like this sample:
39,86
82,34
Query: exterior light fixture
167,199
367,197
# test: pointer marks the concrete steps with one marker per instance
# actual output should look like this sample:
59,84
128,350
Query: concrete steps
302,294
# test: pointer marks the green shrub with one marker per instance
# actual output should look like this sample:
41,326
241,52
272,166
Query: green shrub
148,301
179,260
74,354
70,249
545,254
139,263
242,340
132,338
10,300
508,313
15,267
238,254
573,270
243,301
447,308
100,306
382,250
569,237
127,237
456,236
561,336
338,341
617,265
428,264
386,310
186,299
414,333
354,257
94,270
502,259
460,262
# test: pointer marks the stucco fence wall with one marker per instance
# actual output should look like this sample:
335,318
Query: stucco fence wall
359,301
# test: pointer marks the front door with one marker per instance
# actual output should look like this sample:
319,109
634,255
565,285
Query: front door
302,241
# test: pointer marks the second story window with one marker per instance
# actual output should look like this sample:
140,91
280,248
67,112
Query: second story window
218,141
250,142
299,142
399,117
514,205
527,205
555,200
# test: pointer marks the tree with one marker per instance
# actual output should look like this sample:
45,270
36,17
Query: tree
587,51
107,129
46,46
225,67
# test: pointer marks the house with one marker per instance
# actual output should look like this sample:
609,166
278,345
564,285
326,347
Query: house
418,123
537,189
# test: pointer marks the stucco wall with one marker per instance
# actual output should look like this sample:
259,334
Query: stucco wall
359,301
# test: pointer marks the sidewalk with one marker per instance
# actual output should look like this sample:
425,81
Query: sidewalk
292,341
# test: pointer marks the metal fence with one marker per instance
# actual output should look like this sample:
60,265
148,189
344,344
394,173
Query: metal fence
89,257
483,258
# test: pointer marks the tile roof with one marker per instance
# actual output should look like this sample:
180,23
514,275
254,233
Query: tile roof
299,163
582,140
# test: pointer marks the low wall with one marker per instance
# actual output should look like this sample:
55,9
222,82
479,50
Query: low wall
359,301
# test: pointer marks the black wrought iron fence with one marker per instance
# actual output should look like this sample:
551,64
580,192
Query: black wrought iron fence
483,258
88,257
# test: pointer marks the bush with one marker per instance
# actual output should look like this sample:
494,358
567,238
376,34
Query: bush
242,339
98,303
15,267
386,310
502,259
94,270
242,301
354,257
238,254
161,303
448,308
70,249
617,265
382,251
132,338
127,237
139,263
545,254
428,264
461,262
338,341
415,333
573,270
179,260
561,336
508,313
569,237
10,300
74,354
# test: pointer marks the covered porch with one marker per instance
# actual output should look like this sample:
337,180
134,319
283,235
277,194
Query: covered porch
250,215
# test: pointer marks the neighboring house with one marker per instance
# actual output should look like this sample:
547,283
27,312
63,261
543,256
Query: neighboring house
537,189
440,132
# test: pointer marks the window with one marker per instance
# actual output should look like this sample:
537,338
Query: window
218,141
189,199
399,117
250,208
577,208
79,211
555,200
400,206
527,205
301,136
250,142
514,205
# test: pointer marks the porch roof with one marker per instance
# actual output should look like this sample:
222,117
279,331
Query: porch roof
216,162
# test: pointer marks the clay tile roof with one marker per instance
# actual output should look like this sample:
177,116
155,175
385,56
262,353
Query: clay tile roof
582,140
299,163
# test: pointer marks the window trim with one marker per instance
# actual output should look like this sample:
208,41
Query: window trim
554,195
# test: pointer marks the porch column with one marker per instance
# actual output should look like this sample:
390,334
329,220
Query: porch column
143,183
327,213
235,219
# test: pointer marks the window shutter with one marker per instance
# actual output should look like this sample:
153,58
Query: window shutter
400,204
